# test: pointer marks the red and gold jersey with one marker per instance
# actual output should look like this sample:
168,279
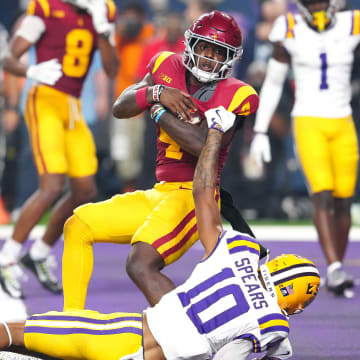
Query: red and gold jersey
173,163
70,37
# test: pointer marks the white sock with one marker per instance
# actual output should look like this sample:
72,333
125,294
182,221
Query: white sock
334,266
40,250
10,252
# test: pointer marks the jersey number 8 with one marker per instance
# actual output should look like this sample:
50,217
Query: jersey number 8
79,43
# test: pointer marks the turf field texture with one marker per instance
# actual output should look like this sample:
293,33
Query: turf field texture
328,329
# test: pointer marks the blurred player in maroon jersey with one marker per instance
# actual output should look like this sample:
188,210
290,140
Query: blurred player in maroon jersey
65,34
160,223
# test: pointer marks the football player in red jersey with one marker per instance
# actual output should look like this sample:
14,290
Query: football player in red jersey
160,223
65,35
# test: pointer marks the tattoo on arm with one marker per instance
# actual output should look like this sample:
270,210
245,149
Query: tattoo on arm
206,169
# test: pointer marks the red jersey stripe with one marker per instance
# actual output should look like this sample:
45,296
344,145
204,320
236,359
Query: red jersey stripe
176,231
180,244
36,132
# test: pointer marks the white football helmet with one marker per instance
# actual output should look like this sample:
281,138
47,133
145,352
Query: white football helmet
217,28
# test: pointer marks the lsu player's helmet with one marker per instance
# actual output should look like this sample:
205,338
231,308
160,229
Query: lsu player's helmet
217,28
293,280
318,20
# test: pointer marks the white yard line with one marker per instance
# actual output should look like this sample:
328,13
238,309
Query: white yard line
262,232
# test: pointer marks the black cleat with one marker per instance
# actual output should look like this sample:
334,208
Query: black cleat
42,269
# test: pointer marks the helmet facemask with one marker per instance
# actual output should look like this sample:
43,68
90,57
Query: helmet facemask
221,70
318,20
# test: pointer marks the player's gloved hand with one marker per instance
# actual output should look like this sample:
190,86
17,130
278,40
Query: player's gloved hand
220,119
260,148
47,72
98,11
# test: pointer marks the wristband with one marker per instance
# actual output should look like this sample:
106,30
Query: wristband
159,115
8,332
157,90
141,101
216,126
156,112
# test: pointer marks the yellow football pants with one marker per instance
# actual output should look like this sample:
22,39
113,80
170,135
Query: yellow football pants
328,152
60,138
84,334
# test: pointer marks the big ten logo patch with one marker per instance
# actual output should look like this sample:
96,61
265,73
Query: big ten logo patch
165,78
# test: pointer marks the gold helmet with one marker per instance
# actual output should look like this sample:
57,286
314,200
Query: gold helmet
293,280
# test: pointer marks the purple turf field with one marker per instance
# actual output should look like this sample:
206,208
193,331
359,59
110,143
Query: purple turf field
328,329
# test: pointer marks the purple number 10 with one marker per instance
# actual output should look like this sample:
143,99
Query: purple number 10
240,304
324,65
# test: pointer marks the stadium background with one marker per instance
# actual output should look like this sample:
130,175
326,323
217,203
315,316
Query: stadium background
275,193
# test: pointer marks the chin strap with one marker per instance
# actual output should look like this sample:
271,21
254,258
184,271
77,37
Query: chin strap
8,332
204,76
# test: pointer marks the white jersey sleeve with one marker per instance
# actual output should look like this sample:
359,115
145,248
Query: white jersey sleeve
31,28
281,351
3,46
239,349
278,30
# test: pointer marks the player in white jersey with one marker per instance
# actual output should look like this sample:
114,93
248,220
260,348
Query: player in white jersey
319,45
226,309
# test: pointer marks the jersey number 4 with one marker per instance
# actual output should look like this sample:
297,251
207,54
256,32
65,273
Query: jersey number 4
217,307
324,65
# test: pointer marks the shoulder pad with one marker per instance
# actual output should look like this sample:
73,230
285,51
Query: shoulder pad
40,8
159,58
112,11
283,28
355,22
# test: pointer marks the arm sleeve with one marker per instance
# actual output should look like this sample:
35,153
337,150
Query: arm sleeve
270,94
31,28
278,30
3,43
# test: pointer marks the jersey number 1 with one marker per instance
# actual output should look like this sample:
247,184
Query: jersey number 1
324,65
